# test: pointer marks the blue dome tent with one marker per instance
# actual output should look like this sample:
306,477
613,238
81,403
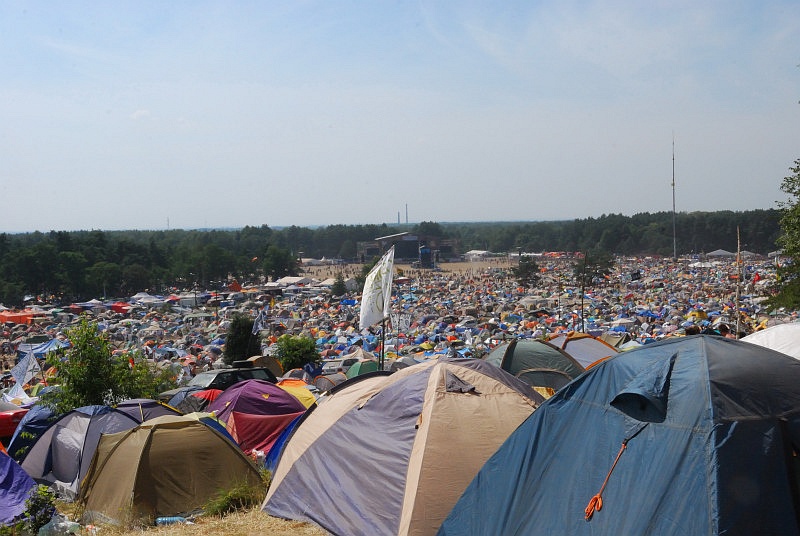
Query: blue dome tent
692,435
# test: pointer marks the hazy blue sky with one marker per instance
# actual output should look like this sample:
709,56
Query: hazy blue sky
144,114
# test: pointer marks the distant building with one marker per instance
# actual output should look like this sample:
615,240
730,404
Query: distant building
476,255
409,248
720,254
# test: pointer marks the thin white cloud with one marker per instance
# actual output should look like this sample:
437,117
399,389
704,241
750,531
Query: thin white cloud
140,114
73,51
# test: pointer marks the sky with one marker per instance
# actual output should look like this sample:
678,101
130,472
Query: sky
194,114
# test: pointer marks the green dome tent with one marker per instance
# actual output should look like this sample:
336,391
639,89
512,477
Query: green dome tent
362,367
167,466
541,365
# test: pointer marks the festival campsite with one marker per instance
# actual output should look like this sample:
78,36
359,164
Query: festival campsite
399,268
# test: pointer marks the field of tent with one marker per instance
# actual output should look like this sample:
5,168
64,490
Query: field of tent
562,432
429,448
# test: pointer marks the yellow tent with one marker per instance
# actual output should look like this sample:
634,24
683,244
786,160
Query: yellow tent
297,389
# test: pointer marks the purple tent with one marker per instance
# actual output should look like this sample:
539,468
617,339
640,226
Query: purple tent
255,412
256,397
15,488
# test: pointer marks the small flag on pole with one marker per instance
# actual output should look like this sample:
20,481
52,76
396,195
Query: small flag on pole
377,292
259,322
26,369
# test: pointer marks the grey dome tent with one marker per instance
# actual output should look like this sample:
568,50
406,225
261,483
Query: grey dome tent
61,455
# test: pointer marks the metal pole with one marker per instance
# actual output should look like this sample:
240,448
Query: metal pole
738,277
583,289
674,239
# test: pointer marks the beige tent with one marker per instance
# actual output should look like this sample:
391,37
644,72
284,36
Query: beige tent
166,466
392,454
268,361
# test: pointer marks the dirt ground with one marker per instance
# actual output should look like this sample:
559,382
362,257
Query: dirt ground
460,268
248,523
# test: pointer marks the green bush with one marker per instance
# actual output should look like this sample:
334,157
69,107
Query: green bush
241,497
295,351
89,373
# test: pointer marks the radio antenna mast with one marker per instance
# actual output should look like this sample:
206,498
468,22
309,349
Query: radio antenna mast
674,239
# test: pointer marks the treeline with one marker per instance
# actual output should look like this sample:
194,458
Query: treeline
640,234
74,266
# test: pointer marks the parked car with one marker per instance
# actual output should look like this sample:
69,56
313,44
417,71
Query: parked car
332,366
10,415
221,379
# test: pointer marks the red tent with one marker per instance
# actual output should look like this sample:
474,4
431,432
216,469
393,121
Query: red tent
121,307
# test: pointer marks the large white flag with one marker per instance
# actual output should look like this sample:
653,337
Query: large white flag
377,291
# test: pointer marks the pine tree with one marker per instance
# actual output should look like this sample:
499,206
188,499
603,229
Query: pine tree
241,343
339,288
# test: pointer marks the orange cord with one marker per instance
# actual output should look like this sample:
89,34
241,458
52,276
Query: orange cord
596,502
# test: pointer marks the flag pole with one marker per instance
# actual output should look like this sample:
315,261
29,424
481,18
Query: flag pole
583,289
383,343
376,297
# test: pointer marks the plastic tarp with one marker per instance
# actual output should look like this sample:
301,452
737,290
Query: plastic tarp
40,350
15,488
